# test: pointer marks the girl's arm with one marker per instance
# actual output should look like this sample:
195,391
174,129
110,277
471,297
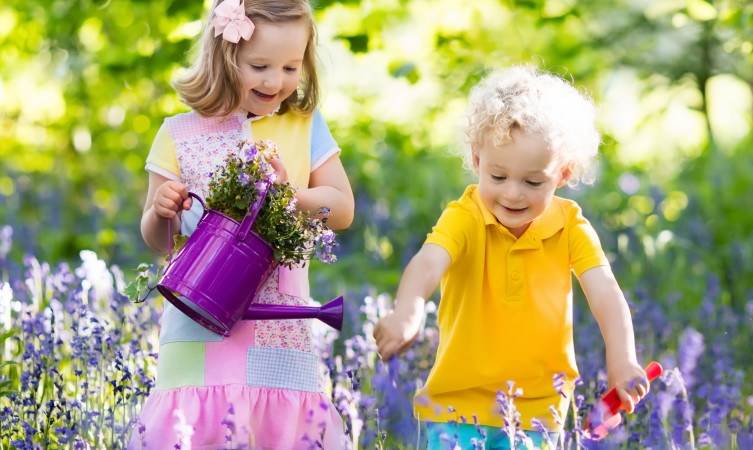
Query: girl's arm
611,311
395,333
329,186
164,201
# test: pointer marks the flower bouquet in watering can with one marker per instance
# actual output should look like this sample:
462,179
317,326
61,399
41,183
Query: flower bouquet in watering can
249,227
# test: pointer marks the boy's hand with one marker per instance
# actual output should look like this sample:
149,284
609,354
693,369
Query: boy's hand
169,198
395,333
630,382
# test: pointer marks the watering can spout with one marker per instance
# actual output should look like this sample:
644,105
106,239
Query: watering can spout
330,313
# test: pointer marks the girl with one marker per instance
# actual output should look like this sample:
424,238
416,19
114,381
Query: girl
255,78
504,253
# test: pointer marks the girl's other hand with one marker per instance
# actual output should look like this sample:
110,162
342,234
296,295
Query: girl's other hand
282,172
630,382
169,198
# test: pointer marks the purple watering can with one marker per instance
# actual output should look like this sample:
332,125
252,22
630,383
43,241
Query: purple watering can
216,276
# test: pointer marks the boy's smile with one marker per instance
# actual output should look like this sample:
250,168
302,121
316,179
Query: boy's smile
517,179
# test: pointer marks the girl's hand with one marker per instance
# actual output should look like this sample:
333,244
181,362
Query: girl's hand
171,197
630,382
395,333
276,162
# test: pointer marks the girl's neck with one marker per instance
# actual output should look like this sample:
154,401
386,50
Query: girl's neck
251,115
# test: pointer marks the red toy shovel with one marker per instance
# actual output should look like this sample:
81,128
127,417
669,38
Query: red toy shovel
605,416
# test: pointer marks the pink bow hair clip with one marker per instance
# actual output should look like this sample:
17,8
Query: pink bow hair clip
231,22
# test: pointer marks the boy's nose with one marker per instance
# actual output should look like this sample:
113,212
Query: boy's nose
511,192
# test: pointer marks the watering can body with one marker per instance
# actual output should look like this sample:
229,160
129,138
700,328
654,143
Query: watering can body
216,276
218,273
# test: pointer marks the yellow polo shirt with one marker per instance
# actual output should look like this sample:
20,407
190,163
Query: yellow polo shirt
506,311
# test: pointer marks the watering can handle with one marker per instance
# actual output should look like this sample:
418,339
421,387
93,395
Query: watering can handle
253,211
170,231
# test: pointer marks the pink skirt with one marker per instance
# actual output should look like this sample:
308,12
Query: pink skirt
259,388
245,417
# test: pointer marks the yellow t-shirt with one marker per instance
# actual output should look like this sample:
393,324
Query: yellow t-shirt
506,311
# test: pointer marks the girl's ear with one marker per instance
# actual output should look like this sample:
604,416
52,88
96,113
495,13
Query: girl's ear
567,171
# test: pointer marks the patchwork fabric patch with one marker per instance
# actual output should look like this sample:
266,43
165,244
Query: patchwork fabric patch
282,368
180,364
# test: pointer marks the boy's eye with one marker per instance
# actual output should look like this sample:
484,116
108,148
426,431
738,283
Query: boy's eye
534,183
498,178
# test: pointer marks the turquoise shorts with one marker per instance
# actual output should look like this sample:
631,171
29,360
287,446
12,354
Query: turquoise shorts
463,433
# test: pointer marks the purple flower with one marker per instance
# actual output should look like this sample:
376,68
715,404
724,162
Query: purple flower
244,179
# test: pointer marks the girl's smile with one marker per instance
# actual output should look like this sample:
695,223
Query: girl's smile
264,97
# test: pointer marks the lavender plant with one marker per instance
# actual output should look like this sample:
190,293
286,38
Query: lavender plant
77,359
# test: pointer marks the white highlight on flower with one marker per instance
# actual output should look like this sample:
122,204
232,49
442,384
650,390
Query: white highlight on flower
94,270
183,429
6,296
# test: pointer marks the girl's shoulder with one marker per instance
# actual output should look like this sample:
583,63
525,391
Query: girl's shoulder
191,123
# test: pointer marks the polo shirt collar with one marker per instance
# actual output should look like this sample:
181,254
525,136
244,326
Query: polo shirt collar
543,227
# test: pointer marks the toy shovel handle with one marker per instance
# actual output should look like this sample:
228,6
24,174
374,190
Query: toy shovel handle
612,400
253,211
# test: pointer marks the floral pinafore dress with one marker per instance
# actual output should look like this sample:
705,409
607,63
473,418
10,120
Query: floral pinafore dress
261,387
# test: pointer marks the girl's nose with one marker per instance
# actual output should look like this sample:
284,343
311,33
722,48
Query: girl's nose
273,81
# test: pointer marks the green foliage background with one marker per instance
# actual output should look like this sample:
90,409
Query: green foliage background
85,85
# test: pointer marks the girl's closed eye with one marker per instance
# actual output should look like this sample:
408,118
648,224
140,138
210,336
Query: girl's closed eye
291,69
258,67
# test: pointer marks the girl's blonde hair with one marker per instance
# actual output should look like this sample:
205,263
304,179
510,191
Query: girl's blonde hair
212,85
536,102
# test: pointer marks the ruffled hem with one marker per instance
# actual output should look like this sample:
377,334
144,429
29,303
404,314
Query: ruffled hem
238,417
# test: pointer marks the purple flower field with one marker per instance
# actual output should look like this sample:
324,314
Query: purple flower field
78,358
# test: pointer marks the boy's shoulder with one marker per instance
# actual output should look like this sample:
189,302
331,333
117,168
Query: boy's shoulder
463,212
565,207
470,202
565,204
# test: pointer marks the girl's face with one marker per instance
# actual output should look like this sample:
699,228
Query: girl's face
270,64
517,180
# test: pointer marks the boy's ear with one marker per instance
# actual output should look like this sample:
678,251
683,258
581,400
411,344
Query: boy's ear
475,158
567,171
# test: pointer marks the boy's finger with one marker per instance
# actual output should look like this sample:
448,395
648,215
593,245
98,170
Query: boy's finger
627,400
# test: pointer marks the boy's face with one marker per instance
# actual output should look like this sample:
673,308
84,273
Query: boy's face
517,180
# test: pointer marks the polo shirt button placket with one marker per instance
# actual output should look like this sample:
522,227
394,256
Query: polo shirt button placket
515,290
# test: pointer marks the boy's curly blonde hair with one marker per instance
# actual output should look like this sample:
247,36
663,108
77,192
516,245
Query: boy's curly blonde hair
536,102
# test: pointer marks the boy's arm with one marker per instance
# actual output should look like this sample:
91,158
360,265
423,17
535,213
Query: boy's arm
395,333
611,311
